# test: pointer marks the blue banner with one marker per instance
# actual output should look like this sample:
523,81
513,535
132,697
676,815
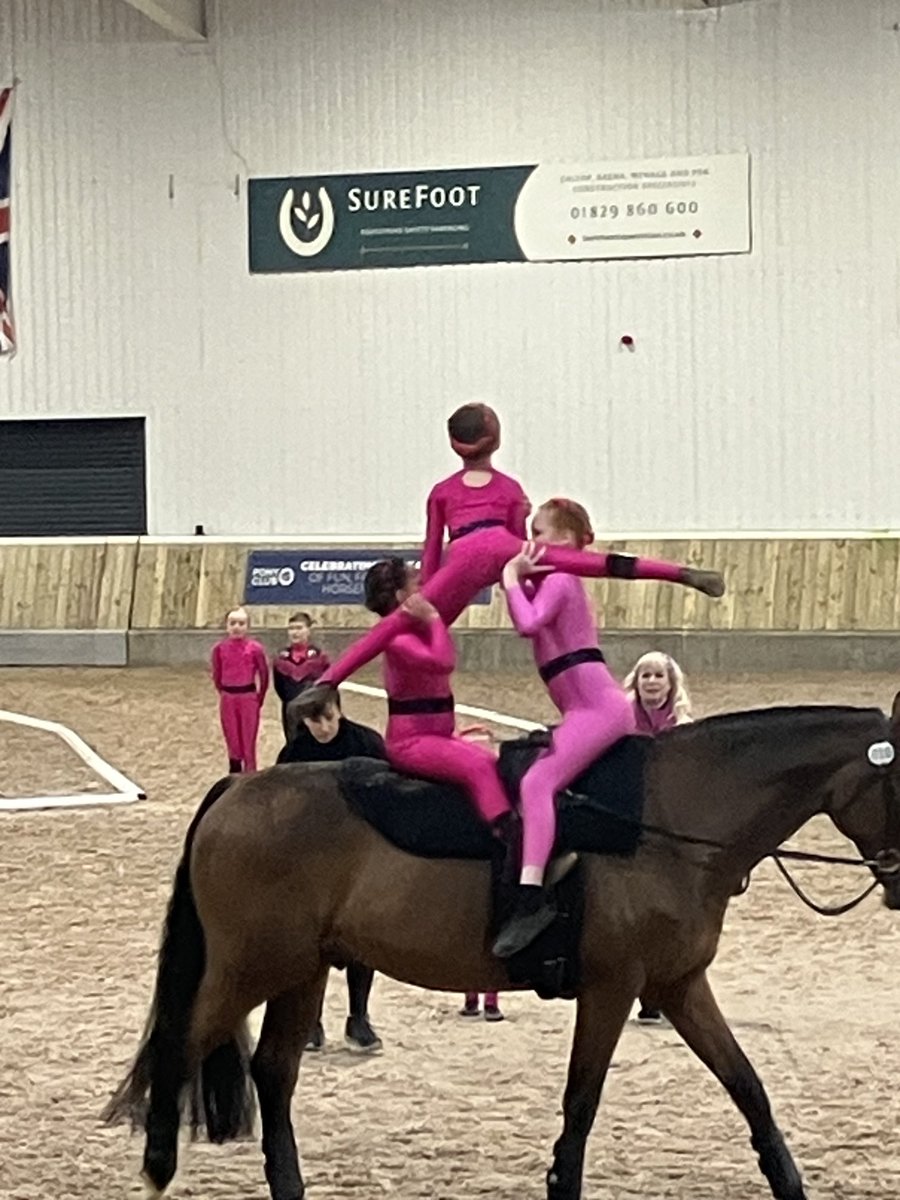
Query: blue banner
297,577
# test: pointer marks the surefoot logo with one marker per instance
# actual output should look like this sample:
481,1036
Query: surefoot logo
318,225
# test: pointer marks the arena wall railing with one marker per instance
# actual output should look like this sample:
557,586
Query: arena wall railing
795,601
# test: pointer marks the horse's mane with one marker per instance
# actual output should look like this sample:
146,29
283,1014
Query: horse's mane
756,724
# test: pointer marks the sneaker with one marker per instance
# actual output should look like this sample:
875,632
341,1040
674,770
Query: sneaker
649,1016
360,1037
533,914
316,1040
470,1009
493,1013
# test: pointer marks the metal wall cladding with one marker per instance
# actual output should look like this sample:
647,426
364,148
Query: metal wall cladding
761,391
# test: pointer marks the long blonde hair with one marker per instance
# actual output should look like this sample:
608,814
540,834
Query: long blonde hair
678,699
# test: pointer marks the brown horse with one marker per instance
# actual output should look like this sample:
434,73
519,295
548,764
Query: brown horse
280,880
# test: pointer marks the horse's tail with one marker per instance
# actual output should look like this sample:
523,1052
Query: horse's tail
221,1098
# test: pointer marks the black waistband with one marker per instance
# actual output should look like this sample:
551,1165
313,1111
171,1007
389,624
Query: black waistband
245,687
486,524
557,665
425,704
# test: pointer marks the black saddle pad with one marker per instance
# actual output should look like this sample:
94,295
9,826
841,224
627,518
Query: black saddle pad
599,813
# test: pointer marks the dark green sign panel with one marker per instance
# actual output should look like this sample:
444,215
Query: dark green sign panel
408,219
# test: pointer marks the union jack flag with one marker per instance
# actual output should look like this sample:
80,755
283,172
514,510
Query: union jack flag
7,326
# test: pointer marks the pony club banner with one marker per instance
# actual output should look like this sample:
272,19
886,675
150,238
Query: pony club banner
7,327
317,576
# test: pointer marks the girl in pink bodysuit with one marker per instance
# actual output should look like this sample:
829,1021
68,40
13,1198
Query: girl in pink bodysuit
555,613
237,663
484,512
421,734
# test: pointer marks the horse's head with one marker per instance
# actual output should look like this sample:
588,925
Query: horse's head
865,806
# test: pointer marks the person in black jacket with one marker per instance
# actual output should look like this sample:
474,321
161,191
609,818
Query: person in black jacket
297,666
324,734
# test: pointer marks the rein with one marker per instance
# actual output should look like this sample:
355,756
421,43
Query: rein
886,862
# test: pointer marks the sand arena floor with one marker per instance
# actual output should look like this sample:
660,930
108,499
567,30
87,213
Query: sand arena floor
451,1109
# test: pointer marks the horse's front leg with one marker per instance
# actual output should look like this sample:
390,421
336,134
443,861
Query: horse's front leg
602,1011
695,1014
275,1065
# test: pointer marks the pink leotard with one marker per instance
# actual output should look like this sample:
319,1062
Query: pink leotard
418,664
596,712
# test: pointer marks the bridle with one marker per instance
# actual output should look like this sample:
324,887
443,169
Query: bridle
885,864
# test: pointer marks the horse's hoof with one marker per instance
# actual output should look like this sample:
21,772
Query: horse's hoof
158,1172
151,1191
557,1189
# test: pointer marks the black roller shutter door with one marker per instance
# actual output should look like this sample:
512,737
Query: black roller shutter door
70,478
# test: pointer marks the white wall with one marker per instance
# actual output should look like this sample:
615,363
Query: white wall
762,391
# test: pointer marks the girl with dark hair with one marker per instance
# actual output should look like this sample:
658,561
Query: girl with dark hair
484,512
421,734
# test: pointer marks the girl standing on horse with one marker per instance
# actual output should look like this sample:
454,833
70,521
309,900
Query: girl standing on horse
484,512
555,613
421,736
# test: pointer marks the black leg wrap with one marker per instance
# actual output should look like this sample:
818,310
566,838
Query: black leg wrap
622,566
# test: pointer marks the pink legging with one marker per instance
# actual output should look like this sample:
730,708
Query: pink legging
239,714
582,736
453,760
472,563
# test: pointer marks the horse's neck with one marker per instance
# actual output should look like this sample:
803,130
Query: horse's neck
749,796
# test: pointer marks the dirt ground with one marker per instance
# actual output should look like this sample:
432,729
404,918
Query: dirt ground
451,1109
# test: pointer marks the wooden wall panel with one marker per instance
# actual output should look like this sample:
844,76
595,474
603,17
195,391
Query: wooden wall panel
783,584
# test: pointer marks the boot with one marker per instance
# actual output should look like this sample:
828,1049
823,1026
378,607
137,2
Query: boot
533,913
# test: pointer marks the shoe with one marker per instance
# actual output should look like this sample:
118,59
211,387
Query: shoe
493,1013
316,1040
649,1016
533,914
470,1008
360,1037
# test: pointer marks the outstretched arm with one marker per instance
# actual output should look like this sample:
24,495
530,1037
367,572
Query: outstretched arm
366,647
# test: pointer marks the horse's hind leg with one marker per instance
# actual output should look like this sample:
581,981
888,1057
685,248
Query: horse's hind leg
602,1011
696,1016
288,1020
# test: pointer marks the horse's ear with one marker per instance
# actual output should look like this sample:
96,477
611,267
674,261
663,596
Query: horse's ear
895,714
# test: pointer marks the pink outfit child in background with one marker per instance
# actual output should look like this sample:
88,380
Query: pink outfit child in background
484,512
655,686
240,672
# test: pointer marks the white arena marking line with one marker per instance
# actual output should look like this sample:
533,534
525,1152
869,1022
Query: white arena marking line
126,791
